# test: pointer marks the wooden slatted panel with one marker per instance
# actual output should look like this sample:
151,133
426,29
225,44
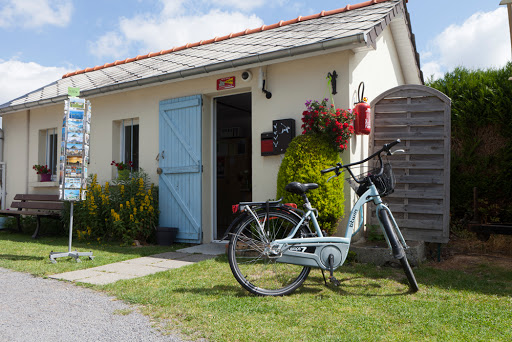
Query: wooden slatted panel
420,117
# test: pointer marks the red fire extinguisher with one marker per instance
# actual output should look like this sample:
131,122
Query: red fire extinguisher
362,112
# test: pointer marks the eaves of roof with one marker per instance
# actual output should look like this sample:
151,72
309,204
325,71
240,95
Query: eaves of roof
343,28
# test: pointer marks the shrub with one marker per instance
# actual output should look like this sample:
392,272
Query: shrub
481,153
125,211
305,157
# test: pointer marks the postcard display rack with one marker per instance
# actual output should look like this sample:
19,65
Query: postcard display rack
74,158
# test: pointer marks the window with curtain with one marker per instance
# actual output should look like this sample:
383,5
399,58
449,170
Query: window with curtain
48,148
130,142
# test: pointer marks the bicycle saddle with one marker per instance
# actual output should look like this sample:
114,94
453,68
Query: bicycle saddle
300,188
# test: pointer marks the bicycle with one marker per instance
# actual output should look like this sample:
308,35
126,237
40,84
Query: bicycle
272,248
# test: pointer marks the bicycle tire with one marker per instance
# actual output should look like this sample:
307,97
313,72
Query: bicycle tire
250,263
398,249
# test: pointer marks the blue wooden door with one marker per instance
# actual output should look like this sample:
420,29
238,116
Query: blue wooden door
180,164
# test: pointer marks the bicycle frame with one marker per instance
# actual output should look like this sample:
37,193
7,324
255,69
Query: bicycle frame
293,250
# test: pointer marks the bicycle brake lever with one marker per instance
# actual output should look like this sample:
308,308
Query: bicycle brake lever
328,179
401,151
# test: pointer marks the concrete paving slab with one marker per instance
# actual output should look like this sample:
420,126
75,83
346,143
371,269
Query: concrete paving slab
129,269
170,255
196,257
142,261
76,275
105,278
143,266
170,264
213,248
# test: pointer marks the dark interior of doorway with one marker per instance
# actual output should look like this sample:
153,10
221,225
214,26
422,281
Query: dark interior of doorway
234,156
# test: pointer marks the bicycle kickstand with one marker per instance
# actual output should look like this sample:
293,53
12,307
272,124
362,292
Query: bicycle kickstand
332,279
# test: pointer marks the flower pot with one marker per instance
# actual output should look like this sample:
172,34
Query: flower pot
165,235
46,177
123,174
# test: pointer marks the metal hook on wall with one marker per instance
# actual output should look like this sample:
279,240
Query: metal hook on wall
332,77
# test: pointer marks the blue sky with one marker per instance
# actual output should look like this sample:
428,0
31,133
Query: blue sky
40,40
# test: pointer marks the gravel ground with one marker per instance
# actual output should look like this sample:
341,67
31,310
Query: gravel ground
37,309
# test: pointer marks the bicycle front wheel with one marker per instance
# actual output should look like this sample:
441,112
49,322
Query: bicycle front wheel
254,266
398,249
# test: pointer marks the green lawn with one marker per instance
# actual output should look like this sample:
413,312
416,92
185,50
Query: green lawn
372,304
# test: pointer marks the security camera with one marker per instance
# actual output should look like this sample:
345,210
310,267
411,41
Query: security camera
246,76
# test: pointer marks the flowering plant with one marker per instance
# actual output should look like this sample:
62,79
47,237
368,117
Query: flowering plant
122,166
41,169
333,123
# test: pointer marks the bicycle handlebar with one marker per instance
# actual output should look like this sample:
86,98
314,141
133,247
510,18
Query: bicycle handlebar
384,148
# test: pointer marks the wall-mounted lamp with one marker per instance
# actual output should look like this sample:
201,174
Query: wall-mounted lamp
263,76
268,94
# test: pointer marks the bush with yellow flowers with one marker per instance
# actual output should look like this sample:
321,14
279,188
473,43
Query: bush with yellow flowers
124,211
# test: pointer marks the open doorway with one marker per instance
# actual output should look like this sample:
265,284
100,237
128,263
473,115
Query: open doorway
234,156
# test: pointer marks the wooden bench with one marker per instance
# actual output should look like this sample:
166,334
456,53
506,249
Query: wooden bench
35,205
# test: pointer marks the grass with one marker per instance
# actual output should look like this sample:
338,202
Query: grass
372,303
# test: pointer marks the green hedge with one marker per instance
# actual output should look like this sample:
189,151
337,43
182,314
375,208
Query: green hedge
481,141
305,157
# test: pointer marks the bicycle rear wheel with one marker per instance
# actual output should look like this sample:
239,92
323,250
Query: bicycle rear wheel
398,249
253,264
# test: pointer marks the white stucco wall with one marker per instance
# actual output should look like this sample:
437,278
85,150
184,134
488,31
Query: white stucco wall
292,83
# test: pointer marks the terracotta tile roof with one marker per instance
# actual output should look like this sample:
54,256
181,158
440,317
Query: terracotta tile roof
347,27
229,36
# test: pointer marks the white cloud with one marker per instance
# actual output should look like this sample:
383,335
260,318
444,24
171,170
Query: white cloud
18,78
111,45
245,6
35,13
173,26
482,41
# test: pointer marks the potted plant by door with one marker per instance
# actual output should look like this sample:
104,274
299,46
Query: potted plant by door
44,172
123,169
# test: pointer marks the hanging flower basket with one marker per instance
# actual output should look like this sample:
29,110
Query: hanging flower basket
332,123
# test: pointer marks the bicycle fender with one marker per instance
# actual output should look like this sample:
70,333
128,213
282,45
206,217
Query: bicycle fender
235,223
398,251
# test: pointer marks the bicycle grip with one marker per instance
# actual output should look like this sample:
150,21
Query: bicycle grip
386,147
329,169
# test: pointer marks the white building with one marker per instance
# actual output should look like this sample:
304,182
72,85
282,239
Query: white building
199,142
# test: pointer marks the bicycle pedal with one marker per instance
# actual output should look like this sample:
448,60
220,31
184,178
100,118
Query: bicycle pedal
334,281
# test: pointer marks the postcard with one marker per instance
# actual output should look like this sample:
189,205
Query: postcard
76,103
74,160
75,126
71,195
75,138
73,183
76,115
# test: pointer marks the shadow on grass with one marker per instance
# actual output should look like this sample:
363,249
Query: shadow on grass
19,257
57,243
487,281
368,280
